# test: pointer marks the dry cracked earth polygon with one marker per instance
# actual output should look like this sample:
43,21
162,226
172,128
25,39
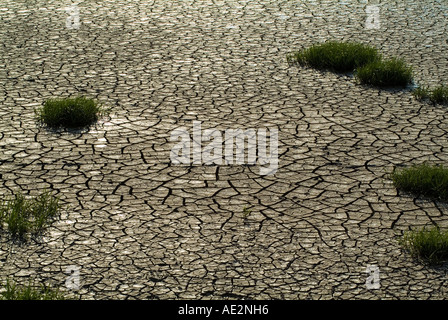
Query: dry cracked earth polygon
140,227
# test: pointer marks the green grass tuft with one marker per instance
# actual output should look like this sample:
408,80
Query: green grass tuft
335,56
440,95
428,245
11,291
70,113
22,215
364,60
385,73
426,180
437,95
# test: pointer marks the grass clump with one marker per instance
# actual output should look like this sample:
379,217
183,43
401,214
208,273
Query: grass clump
70,113
440,95
23,215
429,245
11,291
367,63
437,95
335,56
385,73
424,179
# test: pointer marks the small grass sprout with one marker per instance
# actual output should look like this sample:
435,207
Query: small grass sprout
246,212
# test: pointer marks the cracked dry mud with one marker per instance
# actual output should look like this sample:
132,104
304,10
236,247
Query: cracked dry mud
139,227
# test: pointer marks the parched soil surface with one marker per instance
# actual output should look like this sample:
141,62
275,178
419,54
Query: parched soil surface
138,226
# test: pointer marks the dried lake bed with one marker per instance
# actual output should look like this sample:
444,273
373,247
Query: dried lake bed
137,226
